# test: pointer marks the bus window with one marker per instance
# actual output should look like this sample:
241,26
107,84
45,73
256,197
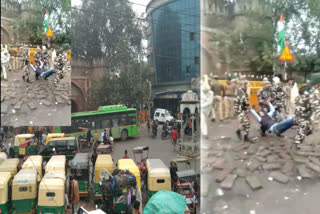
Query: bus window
123,121
108,124
115,122
132,120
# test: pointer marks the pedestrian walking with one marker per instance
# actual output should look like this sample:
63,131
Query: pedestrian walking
93,161
89,136
174,135
206,103
125,155
148,126
75,197
218,91
136,207
2,133
241,105
230,91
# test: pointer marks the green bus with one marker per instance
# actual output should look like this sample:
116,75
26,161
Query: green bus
121,120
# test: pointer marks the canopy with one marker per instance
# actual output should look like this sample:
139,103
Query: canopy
4,180
80,161
166,202
156,168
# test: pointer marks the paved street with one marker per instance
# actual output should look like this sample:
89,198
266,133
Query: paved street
258,178
38,103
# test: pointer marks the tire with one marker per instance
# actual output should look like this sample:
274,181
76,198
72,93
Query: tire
124,135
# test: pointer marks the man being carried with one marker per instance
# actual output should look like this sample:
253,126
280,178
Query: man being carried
268,124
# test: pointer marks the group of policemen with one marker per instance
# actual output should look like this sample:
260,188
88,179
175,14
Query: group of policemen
41,62
307,106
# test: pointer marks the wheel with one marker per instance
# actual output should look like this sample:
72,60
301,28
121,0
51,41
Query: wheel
124,135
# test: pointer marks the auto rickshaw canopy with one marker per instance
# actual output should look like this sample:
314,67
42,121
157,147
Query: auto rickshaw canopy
34,162
132,167
80,161
56,163
51,192
3,157
158,175
104,161
10,165
54,135
4,182
20,138
24,185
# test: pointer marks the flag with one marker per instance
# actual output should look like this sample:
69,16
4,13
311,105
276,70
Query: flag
281,35
46,22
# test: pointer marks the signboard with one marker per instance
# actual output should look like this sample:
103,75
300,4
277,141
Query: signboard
286,55
49,33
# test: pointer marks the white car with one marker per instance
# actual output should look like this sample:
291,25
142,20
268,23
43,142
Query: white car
162,115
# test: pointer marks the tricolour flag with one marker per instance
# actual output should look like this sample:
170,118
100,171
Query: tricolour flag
46,22
281,35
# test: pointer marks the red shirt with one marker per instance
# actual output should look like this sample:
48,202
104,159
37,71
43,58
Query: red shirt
174,134
125,157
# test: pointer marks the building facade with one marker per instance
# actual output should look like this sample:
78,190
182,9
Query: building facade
173,49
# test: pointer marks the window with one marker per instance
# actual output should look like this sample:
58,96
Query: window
132,120
51,194
162,115
196,60
191,36
23,189
157,114
115,122
123,121
160,181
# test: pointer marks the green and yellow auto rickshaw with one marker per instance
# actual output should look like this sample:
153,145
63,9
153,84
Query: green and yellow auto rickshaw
34,162
158,177
25,144
103,161
132,167
79,167
54,135
24,191
5,202
10,165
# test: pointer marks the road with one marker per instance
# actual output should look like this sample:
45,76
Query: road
38,103
296,195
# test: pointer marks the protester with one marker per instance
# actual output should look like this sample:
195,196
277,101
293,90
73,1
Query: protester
148,125
218,91
136,207
93,160
206,103
75,197
130,207
268,124
174,135
89,136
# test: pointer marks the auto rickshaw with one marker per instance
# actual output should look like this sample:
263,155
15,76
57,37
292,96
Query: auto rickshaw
28,142
142,163
10,165
79,167
54,135
5,199
158,177
24,191
103,161
132,167
51,197
3,157
34,162
56,163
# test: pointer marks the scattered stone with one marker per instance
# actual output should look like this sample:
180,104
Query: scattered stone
46,102
284,155
300,159
31,106
252,149
242,146
261,159
59,99
308,154
288,168
313,166
272,158
304,172
218,164
4,109
265,153
252,165
306,148
253,182
242,155
315,160
271,166
242,172
69,102
228,182
222,175
278,176
18,105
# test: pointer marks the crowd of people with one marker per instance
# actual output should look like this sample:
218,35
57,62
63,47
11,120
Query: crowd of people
46,63
280,106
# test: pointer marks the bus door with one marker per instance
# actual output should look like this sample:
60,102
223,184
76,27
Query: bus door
115,128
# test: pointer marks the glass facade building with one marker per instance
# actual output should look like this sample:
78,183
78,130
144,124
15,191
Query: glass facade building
174,40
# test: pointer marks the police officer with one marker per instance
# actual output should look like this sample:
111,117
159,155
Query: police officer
278,96
307,105
242,107
58,67
26,72
38,55
264,94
